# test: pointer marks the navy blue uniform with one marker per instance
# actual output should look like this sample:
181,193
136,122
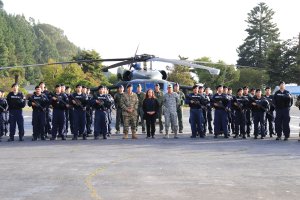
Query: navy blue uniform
101,118
109,111
48,114
239,105
270,116
59,115
220,103
38,115
259,115
3,117
16,103
79,114
282,101
248,115
196,102
69,118
207,114
230,115
89,116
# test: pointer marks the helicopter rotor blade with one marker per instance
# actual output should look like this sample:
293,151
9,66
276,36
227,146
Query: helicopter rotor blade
62,63
211,70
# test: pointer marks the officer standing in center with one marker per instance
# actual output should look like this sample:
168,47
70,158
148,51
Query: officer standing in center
181,103
16,102
283,101
141,96
171,103
159,96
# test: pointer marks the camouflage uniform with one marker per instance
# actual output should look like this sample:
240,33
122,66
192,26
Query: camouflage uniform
119,118
129,101
179,109
171,102
159,95
140,113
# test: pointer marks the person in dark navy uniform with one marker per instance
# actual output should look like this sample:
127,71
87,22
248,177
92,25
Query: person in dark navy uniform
238,113
48,110
16,102
100,103
69,113
38,102
220,102
196,102
248,110
79,102
270,114
208,112
3,112
283,101
89,110
59,102
260,106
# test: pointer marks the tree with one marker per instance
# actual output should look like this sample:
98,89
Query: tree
228,73
181,74
251,77
262,33
18,74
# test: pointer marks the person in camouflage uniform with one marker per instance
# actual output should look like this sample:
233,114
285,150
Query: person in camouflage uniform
171,103
129,104
159,95
140,113
117,98
179,108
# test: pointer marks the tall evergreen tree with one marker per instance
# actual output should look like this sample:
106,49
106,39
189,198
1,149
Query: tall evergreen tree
262,32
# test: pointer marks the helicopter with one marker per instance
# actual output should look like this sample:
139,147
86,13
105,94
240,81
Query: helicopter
147,77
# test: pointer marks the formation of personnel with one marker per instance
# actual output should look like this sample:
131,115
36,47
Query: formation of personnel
55,112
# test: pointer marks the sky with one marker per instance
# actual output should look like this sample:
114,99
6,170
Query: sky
164,28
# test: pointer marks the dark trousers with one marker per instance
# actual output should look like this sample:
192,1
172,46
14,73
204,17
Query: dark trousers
119,118
79,122
101,123
282,122
150,125
48,121
16,118
89,120
207,115
270,121
239,120
196,120
259,119
1,124
58,122
221,122
248,121
230,122
38,124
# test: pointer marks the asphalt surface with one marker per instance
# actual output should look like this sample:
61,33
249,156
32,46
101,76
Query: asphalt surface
151,168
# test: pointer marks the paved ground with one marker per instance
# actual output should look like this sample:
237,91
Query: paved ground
151,169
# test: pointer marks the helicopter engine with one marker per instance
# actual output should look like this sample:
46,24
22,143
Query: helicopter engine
124,74
164,74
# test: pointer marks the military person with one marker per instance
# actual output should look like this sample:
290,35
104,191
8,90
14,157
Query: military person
248,110
181,103
3,111
230,117
239,104
140,113
207,113
197,102
89,111
109,110
259,108
220,102
283,101
159,95
39,102
129,104
16,102
101,104
171,103
69,112
59,102
117,99
270,114
48,110
79,102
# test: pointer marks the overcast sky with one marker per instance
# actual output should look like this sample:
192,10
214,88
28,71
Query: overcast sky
165,28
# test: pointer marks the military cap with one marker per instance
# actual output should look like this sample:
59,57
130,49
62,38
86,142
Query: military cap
139,85
157,84
170,86
176,84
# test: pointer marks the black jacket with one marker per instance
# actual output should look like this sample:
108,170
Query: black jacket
150,104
